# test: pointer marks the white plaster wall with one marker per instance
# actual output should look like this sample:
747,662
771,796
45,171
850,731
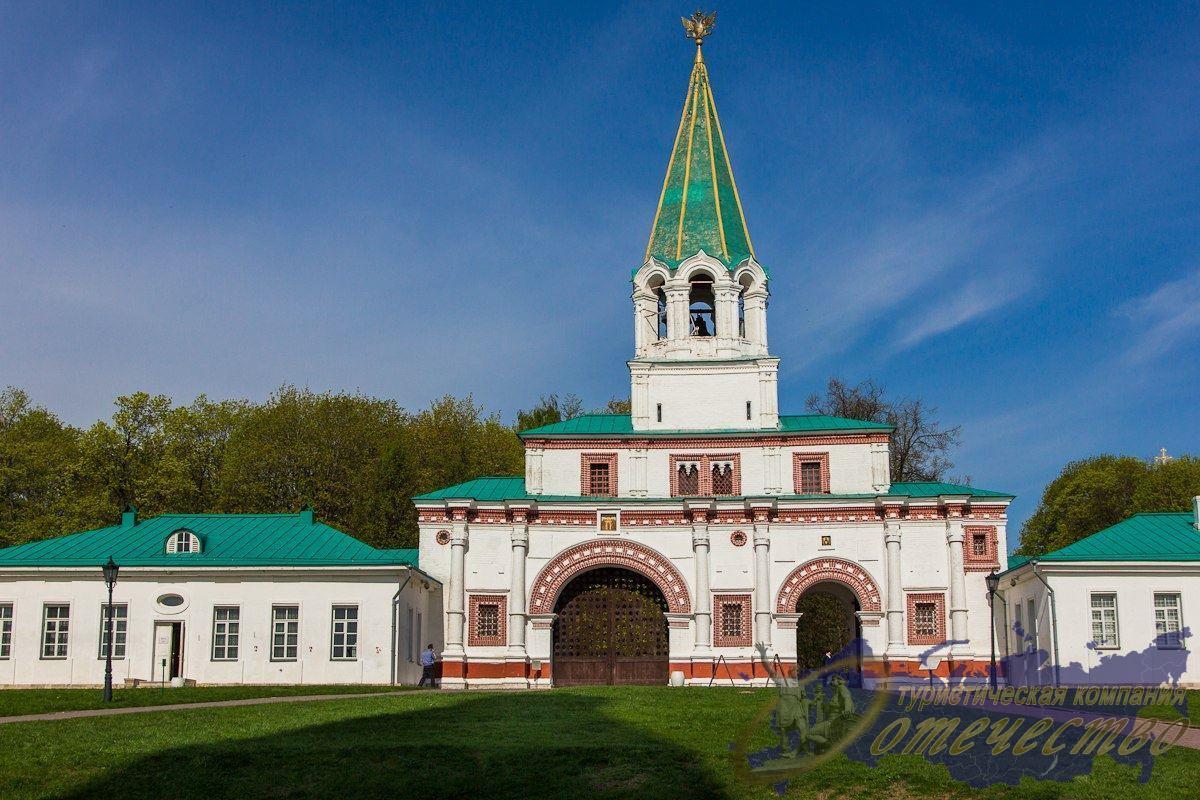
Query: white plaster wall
315,594
1135,589
708,396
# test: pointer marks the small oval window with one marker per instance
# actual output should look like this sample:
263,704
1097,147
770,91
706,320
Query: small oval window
170,600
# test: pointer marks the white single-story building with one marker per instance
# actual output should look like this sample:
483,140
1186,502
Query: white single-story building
1112,608
215,599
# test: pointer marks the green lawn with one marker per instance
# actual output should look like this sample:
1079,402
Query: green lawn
16,702
602,743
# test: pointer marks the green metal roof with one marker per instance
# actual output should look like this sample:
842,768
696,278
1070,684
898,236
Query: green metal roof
228,540
699,208
622,425
499,489
1143,537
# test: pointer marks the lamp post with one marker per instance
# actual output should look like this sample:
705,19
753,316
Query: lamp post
110,580
993,583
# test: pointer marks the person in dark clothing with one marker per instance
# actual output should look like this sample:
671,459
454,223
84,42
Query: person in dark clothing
428,663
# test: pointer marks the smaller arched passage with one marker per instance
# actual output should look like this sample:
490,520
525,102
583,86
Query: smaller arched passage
590,555
829,631
837,570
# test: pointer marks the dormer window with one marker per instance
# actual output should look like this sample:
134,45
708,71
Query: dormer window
183,541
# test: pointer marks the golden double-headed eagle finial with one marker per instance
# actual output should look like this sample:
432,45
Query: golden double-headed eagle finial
699,25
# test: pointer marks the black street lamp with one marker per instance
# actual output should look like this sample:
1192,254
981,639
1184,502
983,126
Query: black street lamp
110,580
993,582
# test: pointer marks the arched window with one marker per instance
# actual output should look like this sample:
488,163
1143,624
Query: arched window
689,478
701,305
183,541
746,283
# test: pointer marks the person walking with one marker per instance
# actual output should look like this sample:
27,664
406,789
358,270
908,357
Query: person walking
428,662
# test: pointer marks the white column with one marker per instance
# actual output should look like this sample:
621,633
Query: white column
756,317
516,591
703,608
762,585
678,320
457,600
645,323
726,311
895,589
958,585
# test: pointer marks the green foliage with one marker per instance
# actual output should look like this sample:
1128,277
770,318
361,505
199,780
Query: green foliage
821,629
1094,493
548,411
357,460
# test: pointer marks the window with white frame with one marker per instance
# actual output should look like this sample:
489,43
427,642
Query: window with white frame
120,627
285,633
1104,620
6,622
1168,619
227,633
408,640
183,541
56,628
345,633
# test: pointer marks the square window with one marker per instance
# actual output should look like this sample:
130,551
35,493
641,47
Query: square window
489,619
810,477
826,541
598,474
979,546
731,622
120,627
1168,620
926,618
486,620
598,479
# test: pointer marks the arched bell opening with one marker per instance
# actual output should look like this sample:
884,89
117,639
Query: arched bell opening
702,305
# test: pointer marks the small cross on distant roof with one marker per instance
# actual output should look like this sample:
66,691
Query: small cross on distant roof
1162,457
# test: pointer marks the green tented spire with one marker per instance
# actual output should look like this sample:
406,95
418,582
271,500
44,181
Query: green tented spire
699,208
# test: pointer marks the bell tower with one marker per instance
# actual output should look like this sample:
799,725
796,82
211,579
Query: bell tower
700,297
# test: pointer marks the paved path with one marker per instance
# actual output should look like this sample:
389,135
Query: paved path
248,701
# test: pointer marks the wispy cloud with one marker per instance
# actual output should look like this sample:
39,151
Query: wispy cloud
1169,316
962,305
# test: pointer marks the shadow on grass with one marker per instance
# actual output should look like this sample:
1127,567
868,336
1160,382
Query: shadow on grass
490,746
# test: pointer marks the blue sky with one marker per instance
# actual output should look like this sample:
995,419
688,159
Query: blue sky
994,209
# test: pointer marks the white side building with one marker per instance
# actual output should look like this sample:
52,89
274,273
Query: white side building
215,599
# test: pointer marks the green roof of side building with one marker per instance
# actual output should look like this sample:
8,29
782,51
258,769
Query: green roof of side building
227,540
622,425
499,489
1170,536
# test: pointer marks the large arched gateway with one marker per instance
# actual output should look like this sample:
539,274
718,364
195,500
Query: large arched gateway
611,628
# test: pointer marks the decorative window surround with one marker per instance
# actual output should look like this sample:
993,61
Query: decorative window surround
586,475
917,617
798,460
494,630
704,464
972,561
732,620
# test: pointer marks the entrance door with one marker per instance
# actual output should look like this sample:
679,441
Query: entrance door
168,650
611,629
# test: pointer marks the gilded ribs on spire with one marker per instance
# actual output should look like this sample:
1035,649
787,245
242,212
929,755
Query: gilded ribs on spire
699,208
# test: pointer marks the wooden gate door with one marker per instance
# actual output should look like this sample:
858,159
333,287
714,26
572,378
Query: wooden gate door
611,629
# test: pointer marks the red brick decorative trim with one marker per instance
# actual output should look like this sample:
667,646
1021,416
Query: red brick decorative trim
742,601
839,570
725,516
704,461
443,537
939,601
698,443
474,637
585,473
590,555
738,538
801,458
989,560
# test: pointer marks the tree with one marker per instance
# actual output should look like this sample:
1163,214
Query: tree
1095,493
919,444
549,410
617,405
37,455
